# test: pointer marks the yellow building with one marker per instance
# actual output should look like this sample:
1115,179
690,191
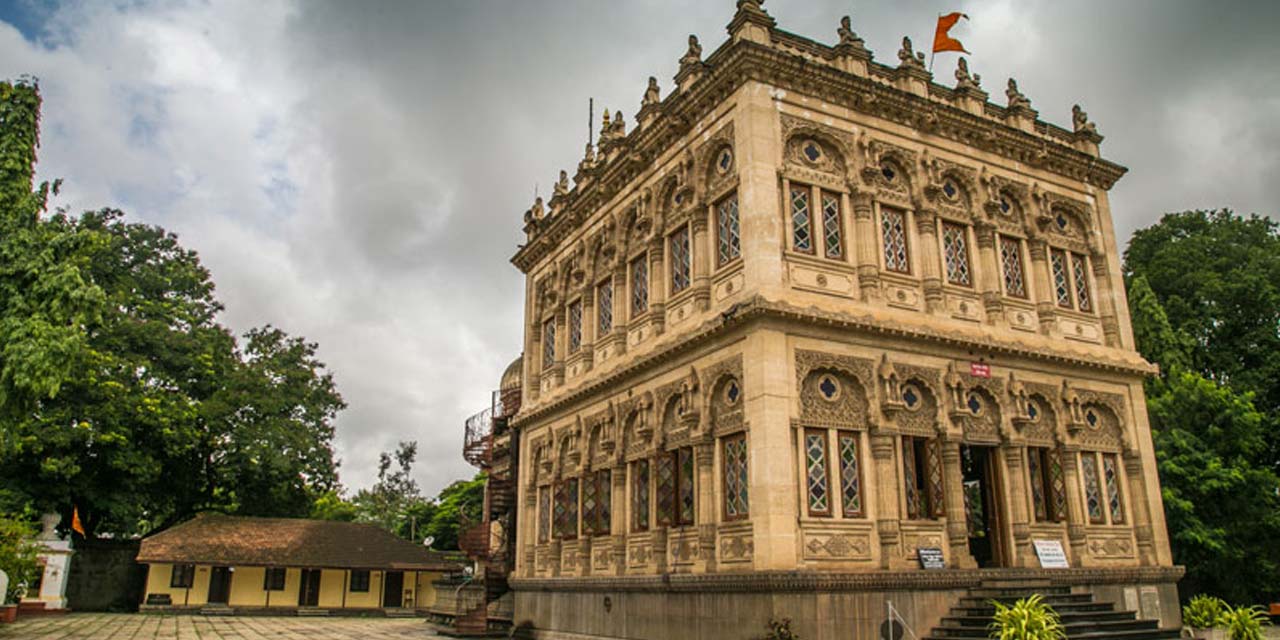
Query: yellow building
242,564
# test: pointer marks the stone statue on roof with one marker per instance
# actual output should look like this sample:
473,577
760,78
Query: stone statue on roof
652,95
964,79
845,31
694,54
909,56
1080,121
1016,98
562,185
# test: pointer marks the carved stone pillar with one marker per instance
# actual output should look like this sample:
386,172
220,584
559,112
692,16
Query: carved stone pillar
1016,501
957,518
621,307
988,271
1141,514
704,456
1075,504
562,346
884,455
929,261
866,248
554,549
619,507
1042,285
1105,298
703,253
658,282
584,554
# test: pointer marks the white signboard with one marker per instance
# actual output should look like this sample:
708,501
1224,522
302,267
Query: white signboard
1051,554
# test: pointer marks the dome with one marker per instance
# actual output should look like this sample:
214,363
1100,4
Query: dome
512,376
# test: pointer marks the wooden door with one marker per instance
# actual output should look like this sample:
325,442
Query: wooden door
309,588
393,585
219,585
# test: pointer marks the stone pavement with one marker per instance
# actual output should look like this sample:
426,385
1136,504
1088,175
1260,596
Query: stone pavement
124,626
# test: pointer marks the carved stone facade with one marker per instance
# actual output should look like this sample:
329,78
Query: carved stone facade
816,313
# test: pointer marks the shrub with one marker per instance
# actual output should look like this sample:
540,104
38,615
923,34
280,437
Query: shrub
1245,623
17,557
1204,612
1027,619
781,630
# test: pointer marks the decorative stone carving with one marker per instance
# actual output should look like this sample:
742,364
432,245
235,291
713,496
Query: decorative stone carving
964,79
1080,121
1017,100
652,95
832,389
693,56
847,36
837,546
909,58
736,548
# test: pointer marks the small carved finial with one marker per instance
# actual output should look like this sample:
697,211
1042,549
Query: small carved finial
908,56
1016,98
694,54
751,5
845,31
652,95
964,79
1080,120
562,185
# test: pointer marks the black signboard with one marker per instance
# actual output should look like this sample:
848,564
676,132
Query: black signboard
931,558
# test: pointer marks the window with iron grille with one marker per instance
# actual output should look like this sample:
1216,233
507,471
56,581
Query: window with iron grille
850,474
1011,266
1080,275
183,576
893,225
639,285
922,470
602,514
571,508
1092,487
549,344
544,514
359,581
801,219
817,480
684,485
680,260
1061,281
728,241
604,307
640,495
1111,474
955,252
575,326
590,504
273,579
832,229
734,455
1048,492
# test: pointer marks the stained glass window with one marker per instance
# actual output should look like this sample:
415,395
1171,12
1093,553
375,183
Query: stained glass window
937,496
604,307
575,326
1112,475
1057,487
911,479
571,508
1079,273
922,470
801,219
561,508
1061,283
1048,489
850,475
640,495
727,237
815,455
549,344
680,262
684,485
639,285
1092,490
1035,466
833,242
590,503
1011,265
735,477
604,503
666,489
955,253
894,226
544,514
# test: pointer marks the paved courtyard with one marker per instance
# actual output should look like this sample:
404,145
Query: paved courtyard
123,626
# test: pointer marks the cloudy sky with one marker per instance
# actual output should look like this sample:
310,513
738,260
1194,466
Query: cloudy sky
355,172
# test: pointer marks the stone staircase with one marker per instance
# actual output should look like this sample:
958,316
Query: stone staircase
1082,617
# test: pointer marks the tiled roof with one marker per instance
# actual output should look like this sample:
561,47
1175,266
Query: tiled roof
288,542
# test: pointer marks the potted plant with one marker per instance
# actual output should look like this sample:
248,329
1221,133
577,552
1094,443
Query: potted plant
17,560
1027,619
1245,623
1205,616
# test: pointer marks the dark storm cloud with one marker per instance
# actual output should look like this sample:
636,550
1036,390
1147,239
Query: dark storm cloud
356,172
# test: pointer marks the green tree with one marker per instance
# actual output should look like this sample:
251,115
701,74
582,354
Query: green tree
330,505
388,502
17,556
462,499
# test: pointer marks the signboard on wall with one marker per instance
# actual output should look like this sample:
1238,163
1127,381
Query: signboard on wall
931,558
979,369
1051,554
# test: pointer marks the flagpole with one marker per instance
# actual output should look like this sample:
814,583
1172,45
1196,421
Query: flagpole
932,52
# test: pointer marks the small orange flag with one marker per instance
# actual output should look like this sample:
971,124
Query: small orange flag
944,42
76,525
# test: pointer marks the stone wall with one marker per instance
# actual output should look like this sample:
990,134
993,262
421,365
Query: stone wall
105,576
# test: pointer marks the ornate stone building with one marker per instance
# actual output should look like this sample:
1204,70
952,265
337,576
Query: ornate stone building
812,314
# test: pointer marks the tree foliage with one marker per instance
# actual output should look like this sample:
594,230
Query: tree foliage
17,556
1204,290
120,392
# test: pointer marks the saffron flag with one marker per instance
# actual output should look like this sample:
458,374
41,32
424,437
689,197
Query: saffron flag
944,42
76,525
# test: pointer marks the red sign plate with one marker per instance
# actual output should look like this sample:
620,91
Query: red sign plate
979,370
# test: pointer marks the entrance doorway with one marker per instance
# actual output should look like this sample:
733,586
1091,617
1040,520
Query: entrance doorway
982,505
393,585
309,590
219,585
